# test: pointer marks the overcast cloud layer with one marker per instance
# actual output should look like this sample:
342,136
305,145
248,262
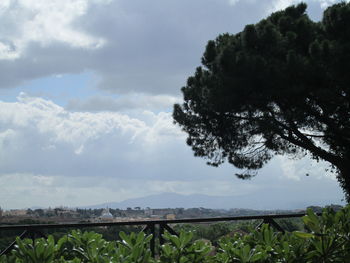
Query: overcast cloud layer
142,46
111,136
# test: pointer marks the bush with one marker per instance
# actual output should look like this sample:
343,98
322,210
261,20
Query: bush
327,239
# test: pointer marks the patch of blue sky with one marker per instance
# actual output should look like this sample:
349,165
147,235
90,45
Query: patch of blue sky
58,88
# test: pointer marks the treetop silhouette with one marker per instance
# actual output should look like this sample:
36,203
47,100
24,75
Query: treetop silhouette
281,86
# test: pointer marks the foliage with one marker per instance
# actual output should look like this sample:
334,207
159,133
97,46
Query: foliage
39,250
134,248
108,233
327,240
213,232
279,87
180,249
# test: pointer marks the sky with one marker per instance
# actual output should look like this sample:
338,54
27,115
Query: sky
86,95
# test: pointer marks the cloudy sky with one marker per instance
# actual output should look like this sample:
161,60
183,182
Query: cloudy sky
86,94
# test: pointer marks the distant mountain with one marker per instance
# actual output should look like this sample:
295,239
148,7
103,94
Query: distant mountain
173,200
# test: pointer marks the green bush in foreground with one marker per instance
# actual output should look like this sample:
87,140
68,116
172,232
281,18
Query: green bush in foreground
327,240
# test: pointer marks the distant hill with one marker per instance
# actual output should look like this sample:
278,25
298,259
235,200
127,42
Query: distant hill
173,200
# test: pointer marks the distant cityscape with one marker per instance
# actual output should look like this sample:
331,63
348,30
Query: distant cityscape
78,215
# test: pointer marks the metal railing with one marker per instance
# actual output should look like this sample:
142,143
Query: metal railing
150,226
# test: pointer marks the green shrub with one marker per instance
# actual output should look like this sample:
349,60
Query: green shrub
180,249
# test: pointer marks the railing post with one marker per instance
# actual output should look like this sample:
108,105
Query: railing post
272,223
150,228
12,245
170,230
161,232
152,244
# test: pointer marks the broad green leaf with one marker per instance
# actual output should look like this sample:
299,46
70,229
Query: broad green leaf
303,234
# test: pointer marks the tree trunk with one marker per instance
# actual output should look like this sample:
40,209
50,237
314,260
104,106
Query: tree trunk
344,180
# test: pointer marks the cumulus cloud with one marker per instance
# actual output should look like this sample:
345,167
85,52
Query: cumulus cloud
43,22
40,137
297,169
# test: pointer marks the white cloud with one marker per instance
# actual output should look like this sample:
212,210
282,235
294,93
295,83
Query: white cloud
288,168
38,130
44,22
277,5
326,3
5,135
281,4
62,126
297,169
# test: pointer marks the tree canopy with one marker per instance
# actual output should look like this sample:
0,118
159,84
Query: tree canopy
281,86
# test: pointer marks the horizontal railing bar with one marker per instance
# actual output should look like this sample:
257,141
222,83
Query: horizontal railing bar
146,222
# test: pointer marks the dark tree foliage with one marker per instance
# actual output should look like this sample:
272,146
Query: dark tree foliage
281,86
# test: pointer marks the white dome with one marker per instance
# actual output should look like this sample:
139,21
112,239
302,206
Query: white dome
106,214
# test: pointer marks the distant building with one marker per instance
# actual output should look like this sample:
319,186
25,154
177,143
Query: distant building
162,212
66,213
15,212
170,216
106,215
148,211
